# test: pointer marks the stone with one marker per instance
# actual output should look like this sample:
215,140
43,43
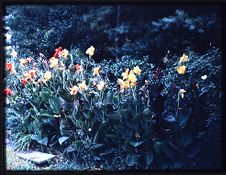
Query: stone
35,156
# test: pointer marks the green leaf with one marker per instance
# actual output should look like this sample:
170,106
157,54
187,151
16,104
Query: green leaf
131,159
45,113
183,117
62,140
39,139
96,137
65,129
75,108
96,145
135,144
147,113
185,138
169,151
158,147
77,145
54,103
137,118
147,135
194,150
45,96
51,121
170,118
149,158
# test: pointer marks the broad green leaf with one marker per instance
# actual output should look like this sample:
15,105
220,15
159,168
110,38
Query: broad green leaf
96,137
158,147
185,138
131,159
169,118
39,139
135,144
147,113
169,151
65,128
62,140
54,103
149,158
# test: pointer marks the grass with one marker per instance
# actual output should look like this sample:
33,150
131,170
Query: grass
14,163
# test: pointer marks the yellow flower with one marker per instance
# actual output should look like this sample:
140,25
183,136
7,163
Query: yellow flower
132,77
120,82
23,61
90,51
127,84
74,90
133,83
64,53
183,59
101,85
47,75
82,86
181,93
181,69
53,62
125,74
96,71
137,70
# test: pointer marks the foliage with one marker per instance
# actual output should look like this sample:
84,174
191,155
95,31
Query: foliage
144,117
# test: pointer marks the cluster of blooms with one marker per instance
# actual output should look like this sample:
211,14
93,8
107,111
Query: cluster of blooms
129,78
182,68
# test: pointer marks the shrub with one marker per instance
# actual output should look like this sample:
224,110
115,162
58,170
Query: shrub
145,117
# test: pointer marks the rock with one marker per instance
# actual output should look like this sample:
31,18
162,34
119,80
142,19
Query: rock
35,156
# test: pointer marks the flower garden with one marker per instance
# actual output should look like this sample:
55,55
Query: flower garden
124,114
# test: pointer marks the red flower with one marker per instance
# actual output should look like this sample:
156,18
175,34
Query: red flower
23,81
79,68
32,74
9,67
8,91
57,51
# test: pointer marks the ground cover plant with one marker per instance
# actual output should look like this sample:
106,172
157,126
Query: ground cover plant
136,111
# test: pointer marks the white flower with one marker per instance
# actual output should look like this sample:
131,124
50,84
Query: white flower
181,93
90,51
204,77
13,54
8,37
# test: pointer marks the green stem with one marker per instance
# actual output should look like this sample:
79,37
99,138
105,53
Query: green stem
178,104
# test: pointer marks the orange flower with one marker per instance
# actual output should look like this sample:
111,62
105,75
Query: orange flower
23,61
82,86
64,53
8,91
96,71
29,59
53,62
74,90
